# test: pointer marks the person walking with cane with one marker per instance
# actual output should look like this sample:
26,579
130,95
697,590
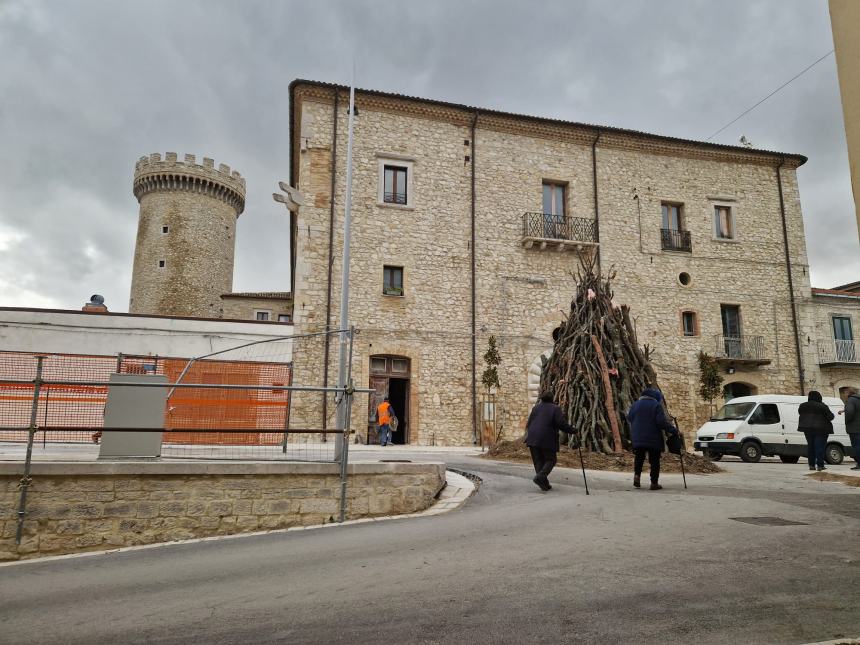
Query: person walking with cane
545,422
648,421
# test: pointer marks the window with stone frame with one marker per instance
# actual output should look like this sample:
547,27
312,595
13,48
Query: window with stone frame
285,318
260,314
394,190
392,280
689,323
724,222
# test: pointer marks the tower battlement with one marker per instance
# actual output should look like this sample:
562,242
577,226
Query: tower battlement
153,173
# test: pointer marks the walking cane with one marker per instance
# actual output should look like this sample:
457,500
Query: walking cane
582,464
681,454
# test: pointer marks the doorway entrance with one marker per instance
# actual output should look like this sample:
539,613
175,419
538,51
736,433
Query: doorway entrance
389,376
734,390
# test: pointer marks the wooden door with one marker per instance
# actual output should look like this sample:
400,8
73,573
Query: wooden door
379,385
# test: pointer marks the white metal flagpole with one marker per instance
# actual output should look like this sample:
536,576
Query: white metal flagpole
344,283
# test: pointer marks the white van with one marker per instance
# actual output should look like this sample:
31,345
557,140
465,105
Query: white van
766,424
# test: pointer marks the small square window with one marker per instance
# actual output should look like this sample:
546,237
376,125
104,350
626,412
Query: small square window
261,315
377,364
392,281
399,365
285,318
165,229
394,185
724,225
689,323
161,264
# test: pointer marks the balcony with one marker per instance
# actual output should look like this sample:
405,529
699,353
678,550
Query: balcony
672,240
740,350
838,352
558,232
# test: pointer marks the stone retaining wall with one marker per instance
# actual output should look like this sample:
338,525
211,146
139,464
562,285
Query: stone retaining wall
73,507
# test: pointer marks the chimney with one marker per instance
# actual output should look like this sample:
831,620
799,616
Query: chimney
96,305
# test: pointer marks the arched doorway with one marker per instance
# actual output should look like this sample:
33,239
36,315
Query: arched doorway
389,376
736,389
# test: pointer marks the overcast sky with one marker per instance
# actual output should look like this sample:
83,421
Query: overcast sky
88,87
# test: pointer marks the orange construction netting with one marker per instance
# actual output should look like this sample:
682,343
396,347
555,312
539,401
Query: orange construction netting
70,406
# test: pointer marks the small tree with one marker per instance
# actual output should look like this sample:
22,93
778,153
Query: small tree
710,379
490,377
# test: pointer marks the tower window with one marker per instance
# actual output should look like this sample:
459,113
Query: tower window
392,281
165,229
161,264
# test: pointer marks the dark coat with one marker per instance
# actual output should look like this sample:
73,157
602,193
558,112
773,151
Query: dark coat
852,414
545,422
648,420
815,416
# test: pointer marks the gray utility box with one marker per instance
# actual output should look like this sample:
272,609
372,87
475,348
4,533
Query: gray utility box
133,407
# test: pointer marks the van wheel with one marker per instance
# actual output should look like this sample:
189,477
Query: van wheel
714,456
834,455
788,459
750,452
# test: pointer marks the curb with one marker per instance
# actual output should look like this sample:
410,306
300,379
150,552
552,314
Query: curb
453,495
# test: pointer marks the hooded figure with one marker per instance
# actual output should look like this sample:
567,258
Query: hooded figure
648,421
545,422
852,423
815,422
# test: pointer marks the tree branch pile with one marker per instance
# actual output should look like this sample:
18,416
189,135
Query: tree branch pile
597,369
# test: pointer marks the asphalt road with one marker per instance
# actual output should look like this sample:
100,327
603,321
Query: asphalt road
515,565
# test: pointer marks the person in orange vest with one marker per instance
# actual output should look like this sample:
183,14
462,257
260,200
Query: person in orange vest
384,412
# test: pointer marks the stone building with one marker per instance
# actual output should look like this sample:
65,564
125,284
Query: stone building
832,316
186,239
468,222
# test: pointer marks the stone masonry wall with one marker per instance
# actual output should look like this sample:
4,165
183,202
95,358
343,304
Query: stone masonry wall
523,293
819,339
86,507
242,308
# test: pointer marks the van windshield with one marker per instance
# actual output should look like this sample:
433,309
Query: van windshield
733,412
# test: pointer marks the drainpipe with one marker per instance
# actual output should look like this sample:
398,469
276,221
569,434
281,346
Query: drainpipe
596,207
474,307
327,349
800,371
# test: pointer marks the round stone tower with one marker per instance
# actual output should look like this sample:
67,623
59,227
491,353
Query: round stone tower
186,235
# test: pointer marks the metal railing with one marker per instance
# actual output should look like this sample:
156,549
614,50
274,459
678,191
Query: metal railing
742,348
559,227
674,240
36,389
394,198
838,351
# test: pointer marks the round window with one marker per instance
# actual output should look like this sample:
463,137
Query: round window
684,278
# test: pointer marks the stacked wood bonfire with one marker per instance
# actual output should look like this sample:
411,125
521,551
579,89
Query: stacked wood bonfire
597,369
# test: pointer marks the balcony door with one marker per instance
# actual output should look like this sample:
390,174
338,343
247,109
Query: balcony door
554,208
672,217
731,317
843,337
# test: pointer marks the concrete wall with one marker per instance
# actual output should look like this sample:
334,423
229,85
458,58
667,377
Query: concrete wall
523,293
74,507
74,332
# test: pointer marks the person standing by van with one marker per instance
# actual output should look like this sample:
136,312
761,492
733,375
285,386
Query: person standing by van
648,420
815,422
852,423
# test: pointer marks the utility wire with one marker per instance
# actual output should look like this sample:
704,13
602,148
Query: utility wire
788,82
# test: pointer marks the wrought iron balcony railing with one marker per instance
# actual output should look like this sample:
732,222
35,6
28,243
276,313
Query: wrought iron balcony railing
394,198
838,351
541,226
741,349
672,240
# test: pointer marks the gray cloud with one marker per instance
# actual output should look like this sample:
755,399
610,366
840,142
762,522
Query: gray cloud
88,87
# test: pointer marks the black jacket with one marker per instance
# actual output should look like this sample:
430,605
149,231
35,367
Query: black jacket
815,416
852,414
544,424
647,421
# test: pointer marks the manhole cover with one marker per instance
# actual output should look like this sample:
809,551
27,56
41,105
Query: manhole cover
768,521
